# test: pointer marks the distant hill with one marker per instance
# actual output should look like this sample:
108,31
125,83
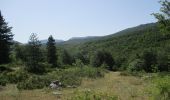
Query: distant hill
16,42
79,40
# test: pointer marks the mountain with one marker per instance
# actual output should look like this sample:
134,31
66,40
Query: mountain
125,44
16,42
79,40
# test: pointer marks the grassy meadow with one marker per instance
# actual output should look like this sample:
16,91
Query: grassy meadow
113,86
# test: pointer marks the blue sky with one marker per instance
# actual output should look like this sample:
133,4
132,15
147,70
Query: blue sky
75,18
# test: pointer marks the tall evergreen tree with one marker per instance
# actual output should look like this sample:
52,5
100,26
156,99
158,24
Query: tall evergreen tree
6,38
51,51
34,55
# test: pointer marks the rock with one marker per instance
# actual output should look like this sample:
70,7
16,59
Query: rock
55,84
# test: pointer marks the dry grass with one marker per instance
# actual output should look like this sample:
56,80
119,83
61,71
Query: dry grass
125,87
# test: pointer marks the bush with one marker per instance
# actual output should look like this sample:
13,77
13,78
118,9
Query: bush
90,72
160,87
163,61
101,57
163,85
136,65
17,76
78,63
33,82
37,68
3,80
68,77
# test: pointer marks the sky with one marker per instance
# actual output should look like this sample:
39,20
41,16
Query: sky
64,19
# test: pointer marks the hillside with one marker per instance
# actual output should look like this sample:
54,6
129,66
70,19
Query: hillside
126,44
138,30
79,40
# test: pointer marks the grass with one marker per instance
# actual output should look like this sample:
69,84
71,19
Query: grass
112,84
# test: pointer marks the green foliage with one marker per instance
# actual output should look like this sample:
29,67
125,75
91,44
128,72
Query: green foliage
3,80
136,65
164,16
78,63
34,55
64,58
91,95
33,82
20,52
90,72
73,76
51,52
101,57
68,77
149,57
160,89
163,61
82,56
17,76
144,40
5,40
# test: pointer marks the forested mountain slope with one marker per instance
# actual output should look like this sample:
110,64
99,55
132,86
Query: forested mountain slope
127,44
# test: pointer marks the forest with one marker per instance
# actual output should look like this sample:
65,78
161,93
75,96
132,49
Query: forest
135,60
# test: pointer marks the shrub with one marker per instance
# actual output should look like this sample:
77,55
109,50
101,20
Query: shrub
33,82
163,61
68,77
163,84
78,63
101,57
136,65
160,88
150,59
3,80
17,76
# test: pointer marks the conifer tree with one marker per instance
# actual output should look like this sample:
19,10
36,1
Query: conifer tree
51,51
34,55
6,38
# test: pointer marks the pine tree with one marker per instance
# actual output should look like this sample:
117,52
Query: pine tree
51,51
6,37
34,55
